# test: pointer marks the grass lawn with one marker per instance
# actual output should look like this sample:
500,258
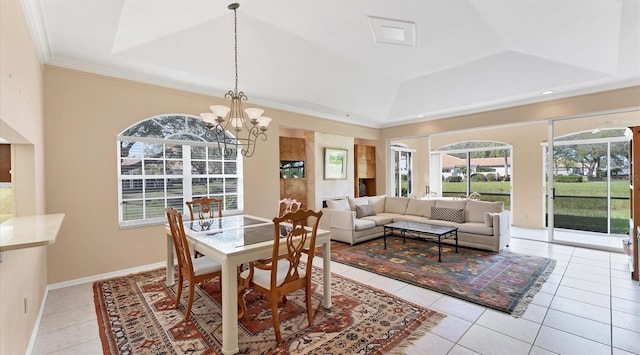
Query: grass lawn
580,204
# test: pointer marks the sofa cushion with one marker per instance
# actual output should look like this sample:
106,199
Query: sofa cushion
340,204
475,228
381,219
358,201
394,204
412,218
474,211
364,210
362,224
377,202
448,214
422,208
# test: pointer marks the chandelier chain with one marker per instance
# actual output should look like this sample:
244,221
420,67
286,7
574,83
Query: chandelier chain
235,46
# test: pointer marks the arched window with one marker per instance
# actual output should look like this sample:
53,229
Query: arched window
169,159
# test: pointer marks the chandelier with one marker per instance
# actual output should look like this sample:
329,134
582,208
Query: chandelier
245,125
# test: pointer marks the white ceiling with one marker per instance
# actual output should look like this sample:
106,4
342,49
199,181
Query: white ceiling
319,57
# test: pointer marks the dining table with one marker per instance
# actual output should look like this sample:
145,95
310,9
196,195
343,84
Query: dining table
233,240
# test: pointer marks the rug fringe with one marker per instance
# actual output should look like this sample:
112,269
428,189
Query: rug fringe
521,308
423,329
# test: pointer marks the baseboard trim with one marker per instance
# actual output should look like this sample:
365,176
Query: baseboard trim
36,326
107,275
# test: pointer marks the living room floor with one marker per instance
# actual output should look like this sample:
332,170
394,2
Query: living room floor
589,305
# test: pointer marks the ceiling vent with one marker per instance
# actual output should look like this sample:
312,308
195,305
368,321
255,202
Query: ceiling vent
391,31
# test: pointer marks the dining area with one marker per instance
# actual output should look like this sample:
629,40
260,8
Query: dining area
271,257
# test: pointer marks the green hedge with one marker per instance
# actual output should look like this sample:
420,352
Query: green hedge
567,178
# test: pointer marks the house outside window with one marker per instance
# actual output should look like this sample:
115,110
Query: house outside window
167,160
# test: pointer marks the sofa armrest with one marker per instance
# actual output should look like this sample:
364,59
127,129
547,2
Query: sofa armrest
338,219
502,228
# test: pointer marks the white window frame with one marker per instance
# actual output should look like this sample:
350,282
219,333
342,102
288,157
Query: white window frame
186,175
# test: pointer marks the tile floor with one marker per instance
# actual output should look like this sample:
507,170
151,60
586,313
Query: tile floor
588,306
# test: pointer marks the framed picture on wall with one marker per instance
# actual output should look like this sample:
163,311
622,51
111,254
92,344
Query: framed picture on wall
335,163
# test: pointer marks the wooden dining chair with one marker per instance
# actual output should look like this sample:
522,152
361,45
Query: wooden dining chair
287,205
194,270
203,205
282,273
474,196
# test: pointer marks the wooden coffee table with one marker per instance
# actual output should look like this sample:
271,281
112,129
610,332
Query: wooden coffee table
423,231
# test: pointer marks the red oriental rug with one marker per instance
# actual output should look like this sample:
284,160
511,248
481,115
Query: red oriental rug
502,281
136,316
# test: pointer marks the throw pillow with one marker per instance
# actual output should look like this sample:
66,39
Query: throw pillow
447,214
340,204
364,210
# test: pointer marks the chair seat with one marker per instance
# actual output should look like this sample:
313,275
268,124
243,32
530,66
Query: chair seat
205,265
262,278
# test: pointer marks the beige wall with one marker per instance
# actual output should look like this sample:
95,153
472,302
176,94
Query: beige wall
84,114
23,273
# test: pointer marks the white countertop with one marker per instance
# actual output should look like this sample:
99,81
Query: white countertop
29,231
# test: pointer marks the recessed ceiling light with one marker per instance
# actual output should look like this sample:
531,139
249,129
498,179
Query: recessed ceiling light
420,116
547,92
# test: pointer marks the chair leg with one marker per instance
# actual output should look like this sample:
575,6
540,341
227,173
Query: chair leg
276,319
178,292
242,305
189,302
307,292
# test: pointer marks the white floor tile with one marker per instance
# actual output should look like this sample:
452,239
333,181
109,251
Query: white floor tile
452,328
622,305
418,295
387,284
430,344
582,309
535,313
631,294
487,341
596,299
461,350
599,287
565,343
93,347
580,326
64,338
626,320
518,328
461,309
626,340
58,320
540,351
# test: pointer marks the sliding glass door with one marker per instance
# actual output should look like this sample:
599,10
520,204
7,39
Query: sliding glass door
590,183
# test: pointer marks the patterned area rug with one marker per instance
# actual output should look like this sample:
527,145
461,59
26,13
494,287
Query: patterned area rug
502,281
136,316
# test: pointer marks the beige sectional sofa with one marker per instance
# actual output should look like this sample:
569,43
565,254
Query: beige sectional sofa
481,224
